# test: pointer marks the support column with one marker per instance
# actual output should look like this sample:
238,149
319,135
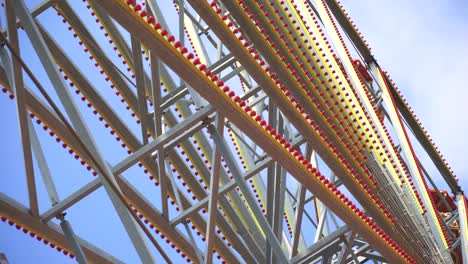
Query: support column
71,238
233,166
214,187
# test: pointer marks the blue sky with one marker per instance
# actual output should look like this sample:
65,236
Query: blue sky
423,46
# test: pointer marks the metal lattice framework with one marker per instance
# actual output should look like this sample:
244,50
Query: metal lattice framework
236,110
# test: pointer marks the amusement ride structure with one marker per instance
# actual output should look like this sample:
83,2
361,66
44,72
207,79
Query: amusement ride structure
266,130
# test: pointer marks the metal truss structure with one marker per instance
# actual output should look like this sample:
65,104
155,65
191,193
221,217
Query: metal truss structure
269,130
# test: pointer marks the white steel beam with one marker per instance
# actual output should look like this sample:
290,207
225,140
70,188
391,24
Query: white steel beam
23,117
